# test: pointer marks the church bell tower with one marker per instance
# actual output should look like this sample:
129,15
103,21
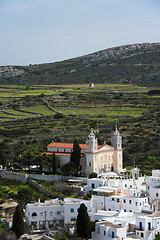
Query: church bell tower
91,142
116,140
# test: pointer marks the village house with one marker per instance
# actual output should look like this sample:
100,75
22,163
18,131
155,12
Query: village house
94,157
54,214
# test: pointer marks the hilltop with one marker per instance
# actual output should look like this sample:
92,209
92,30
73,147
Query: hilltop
134,64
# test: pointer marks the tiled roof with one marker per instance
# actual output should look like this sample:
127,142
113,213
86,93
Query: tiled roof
69,145
60,153
65,145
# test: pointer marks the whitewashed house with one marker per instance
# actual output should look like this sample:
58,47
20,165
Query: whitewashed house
108,231
153,188
148,226
54,214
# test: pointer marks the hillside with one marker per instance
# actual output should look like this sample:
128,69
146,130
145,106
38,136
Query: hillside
134,64
31,117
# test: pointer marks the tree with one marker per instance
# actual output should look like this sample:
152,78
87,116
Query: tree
2,158
54,164
18,223
25,195
157,237
93,175
76,154
69,168
83,222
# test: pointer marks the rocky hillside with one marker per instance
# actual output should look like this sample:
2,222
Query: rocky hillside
136,64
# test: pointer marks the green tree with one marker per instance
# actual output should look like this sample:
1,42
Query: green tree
93,175
76,154
25,195
2,158
157,237
83,222
54,163
18,223
69,168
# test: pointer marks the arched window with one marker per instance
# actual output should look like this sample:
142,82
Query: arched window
34,214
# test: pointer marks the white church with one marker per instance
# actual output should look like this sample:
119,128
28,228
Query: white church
94,157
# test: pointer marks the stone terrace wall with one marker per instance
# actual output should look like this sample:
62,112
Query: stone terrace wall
51,178
19,177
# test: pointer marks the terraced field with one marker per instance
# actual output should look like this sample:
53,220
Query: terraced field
39,114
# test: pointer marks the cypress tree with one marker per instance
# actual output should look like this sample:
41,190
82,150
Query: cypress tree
76,153
83,222
54,164
18,223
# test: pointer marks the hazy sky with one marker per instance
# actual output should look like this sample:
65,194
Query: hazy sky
39,31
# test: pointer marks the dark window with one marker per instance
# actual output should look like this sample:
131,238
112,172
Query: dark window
34,214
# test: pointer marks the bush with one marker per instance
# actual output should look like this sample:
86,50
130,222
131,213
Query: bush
93,175
59,115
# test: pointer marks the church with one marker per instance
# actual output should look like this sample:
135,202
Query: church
94,157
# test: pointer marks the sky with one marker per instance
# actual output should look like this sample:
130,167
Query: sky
43,31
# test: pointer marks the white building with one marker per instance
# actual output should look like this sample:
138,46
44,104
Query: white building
55,213
153,188
111,198
108,231
94,157
148,226
115,181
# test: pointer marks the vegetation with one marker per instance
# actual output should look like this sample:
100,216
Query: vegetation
18,224
135,64
22,193
76,154
83,222
24,134
93,175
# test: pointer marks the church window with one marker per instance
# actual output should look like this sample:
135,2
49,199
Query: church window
156,194
130,201
89,164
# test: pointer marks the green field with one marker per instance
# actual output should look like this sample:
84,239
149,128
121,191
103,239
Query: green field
25,118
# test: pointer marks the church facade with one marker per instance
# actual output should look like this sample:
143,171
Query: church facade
94,157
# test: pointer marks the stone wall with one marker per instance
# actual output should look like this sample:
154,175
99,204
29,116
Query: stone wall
41,188
19,177
45,237
52,178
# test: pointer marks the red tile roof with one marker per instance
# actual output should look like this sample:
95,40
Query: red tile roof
65,145
69,145
60,154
